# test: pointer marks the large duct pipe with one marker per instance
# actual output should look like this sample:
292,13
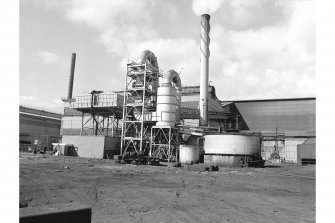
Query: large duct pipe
204,62
173,77
147,55
73,64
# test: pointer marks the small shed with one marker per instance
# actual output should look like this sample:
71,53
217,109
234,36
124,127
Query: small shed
306,152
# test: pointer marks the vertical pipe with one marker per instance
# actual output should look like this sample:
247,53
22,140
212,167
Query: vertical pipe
113,122
108,125
178,116
204,62
73,64
237,124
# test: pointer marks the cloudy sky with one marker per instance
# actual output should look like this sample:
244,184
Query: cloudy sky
259,48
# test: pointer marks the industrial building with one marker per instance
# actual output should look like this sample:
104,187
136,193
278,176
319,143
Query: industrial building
38,128
157,116
284,123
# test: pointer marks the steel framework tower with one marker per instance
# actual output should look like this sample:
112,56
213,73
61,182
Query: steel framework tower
165,143
140,98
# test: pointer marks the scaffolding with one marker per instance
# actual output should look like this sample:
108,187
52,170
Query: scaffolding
140,98
165,143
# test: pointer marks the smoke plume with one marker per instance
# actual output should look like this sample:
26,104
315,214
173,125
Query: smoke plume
206,6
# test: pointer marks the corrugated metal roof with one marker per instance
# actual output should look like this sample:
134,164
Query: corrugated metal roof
272,100
294,117
35,111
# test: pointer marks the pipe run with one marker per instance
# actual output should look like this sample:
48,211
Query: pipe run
173,77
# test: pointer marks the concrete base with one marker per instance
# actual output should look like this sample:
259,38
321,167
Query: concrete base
55,213
275,161
223,160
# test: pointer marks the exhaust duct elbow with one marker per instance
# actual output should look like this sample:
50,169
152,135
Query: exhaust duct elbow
173,77
147,55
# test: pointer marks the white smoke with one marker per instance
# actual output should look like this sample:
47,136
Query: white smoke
206,6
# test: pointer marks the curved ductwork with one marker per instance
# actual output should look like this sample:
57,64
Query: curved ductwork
147,55
173,77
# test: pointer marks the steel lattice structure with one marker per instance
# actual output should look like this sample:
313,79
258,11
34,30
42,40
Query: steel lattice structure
140,98
101,113
106,124
165,143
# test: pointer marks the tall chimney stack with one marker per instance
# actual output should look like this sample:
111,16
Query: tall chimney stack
204,62
73,64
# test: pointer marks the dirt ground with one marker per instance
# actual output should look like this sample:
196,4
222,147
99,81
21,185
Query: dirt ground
130,193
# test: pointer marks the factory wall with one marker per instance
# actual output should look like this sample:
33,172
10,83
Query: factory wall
94,146
306,153
72,121
268,148
290,152
286,149
71,125
38,128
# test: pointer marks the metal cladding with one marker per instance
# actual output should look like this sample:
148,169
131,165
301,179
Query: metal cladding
169,100
73,64
204,67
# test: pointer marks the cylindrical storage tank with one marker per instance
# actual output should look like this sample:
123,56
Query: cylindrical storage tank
166,106
232,144
189,153
230,149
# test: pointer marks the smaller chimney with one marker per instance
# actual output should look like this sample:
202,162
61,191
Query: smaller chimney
73,64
